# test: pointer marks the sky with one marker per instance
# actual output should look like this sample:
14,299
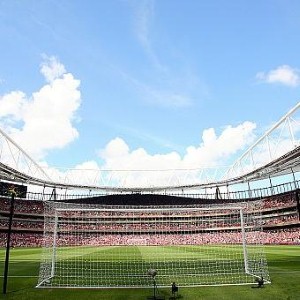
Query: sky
125,84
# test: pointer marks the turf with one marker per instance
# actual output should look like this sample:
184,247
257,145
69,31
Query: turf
93,266
283,262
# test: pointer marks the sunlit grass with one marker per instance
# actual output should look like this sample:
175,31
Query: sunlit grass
283,262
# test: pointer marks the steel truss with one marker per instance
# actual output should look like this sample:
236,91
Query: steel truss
276,153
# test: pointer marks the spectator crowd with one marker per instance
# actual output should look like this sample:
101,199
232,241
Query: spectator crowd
280,221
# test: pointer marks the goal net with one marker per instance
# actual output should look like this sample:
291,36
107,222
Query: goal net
115,246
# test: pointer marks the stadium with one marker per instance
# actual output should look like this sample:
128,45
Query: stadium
130,234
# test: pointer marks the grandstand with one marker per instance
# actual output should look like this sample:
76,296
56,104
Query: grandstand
203,230
280,218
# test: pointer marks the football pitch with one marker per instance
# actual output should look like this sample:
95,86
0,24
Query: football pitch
283,263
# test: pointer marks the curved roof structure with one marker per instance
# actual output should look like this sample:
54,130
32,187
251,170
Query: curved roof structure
276,153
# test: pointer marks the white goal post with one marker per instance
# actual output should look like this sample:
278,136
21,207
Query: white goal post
101,246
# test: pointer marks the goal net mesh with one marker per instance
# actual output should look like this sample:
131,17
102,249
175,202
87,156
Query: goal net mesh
115,246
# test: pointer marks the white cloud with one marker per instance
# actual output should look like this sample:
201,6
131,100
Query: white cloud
284,74
44,120
212,151
116,148
12,105
90,175
51,68
117,156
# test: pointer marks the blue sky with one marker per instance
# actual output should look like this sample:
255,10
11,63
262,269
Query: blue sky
141,84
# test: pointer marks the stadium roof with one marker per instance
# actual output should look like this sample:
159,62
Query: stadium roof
276,153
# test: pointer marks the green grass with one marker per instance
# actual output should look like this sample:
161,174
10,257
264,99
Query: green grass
127,265
283,262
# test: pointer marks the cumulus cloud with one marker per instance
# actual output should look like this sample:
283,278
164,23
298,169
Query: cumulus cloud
212,151
117,156
86,173
216,149
12,105
284,74
44,120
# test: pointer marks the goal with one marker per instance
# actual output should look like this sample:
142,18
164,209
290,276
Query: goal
102,246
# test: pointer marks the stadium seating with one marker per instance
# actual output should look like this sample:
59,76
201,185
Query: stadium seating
280,222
